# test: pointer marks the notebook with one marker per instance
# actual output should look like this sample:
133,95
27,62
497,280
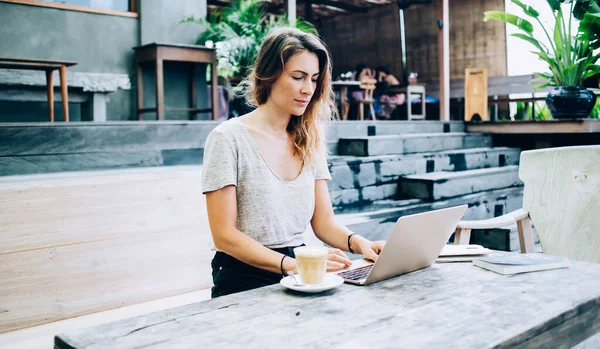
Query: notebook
514,263
462,253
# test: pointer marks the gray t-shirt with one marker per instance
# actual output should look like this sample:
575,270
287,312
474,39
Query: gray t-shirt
271,210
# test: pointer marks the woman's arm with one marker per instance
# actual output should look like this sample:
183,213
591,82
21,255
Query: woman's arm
222,215
334,234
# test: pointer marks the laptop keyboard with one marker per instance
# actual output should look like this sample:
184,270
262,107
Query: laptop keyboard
356,274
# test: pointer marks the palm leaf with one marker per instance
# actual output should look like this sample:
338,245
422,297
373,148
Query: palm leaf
531,40
517,21
530,11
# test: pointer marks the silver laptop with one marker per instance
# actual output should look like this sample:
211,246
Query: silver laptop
415,243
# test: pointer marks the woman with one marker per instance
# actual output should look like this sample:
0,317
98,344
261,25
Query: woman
388,101
265,172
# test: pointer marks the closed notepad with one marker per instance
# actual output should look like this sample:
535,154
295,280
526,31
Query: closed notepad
514,263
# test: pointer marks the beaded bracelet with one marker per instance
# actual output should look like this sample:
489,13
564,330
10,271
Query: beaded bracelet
350,248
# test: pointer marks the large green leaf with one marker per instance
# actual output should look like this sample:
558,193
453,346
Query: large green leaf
517,21
589,27
530,11
554,4
529,39
585,6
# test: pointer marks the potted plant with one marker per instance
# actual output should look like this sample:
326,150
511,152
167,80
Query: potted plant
571,56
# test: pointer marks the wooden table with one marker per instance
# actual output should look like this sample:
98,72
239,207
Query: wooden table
343,86
159,53
444,306
49,67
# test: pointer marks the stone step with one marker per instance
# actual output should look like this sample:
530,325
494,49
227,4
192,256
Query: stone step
350,172
376,220
33,164
411,143
352,129
441,185
105,137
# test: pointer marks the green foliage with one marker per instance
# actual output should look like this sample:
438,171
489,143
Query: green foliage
595,114
524,112
571,57
237,32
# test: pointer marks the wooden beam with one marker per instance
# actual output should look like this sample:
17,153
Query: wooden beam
217,3
444,58
341,5
73,8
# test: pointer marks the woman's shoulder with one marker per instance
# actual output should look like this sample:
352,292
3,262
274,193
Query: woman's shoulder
228,129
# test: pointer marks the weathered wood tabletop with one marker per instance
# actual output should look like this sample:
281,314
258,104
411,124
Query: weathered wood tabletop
444,306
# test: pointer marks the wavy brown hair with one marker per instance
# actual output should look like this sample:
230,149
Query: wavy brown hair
307,130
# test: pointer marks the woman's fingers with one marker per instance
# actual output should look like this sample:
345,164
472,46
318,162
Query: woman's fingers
370,254
331,265
337,255
374,249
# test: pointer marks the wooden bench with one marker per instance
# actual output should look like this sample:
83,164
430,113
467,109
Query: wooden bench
49,67
79,243
89,89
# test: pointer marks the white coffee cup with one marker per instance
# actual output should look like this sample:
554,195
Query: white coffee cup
312,263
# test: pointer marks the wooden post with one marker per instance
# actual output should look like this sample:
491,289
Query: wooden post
193,103
444,58
64,93
50,88
462,236
140,90
290,8
215,89
160,91
525,235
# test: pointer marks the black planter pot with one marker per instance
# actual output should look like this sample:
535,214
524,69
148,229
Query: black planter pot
570,102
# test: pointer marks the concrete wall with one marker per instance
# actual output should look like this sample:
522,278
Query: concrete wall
102,44
473,43
159,20
98,43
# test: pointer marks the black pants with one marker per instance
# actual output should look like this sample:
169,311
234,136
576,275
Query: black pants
231,275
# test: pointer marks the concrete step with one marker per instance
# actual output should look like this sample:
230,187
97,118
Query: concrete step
411,143
441,185
376,220
351,172
34,164
352,129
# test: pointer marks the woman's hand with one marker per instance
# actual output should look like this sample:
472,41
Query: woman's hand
336,260
369,249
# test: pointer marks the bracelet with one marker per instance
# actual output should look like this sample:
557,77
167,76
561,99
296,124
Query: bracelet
281,266
350,248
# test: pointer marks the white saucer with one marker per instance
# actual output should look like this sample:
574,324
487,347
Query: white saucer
331,281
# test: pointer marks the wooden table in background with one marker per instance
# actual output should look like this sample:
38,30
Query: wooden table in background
158,53
453,305
343,86
48,66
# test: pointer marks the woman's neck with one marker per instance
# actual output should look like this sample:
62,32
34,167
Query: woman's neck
271,119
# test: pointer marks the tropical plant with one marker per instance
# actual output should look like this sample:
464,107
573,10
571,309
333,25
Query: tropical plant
571,57
524,112
595,114
237,32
